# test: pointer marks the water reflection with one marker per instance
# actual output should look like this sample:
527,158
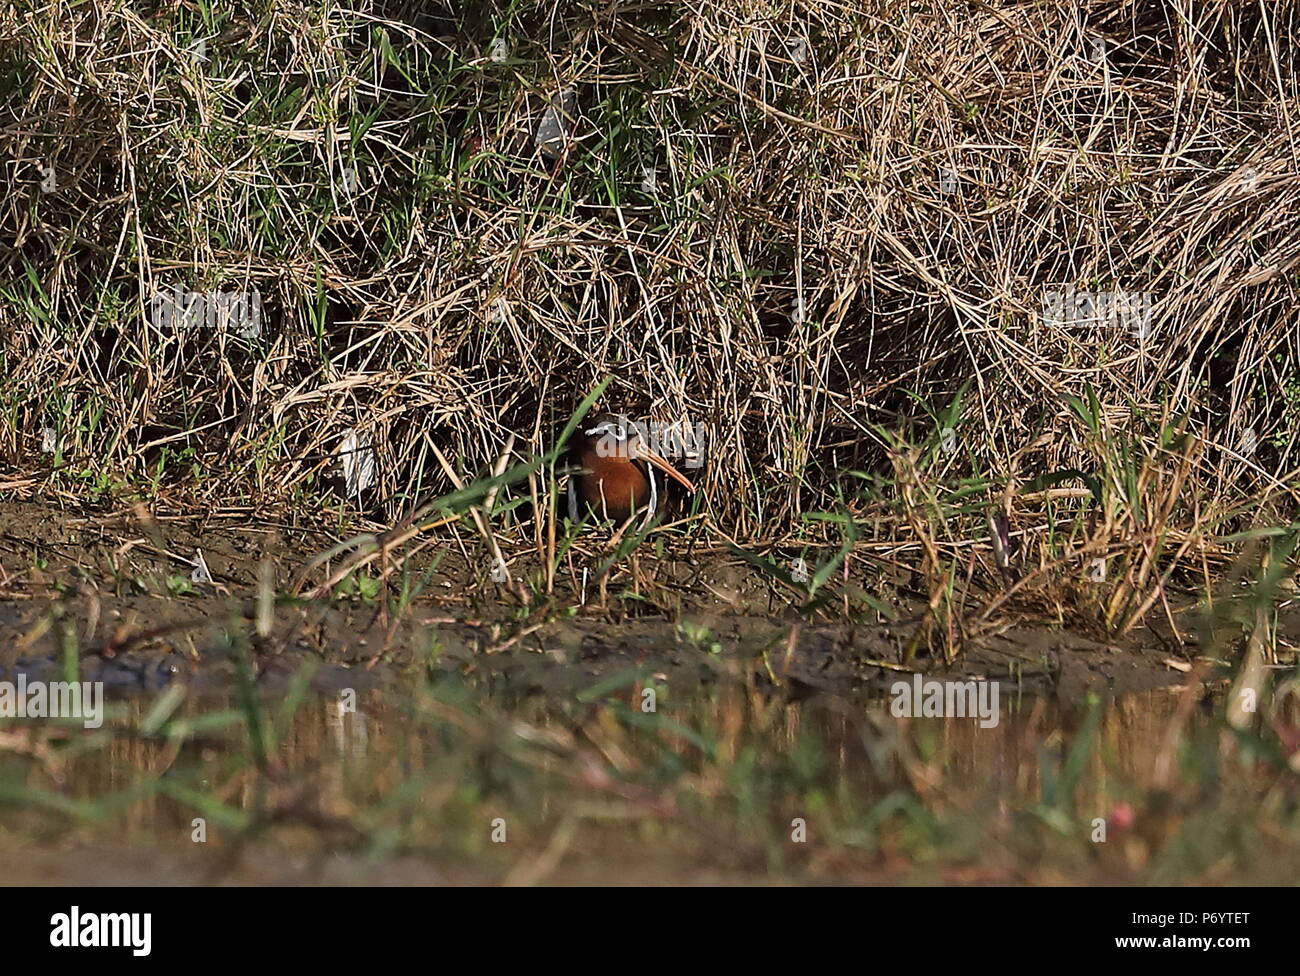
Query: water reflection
718,777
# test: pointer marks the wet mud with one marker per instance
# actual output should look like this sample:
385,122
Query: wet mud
119,590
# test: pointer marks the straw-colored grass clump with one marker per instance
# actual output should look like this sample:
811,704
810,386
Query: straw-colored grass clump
800,224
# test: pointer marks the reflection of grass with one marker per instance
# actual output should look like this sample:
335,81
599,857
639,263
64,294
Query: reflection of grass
717,783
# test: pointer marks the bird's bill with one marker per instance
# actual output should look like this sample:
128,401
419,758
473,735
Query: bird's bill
650,457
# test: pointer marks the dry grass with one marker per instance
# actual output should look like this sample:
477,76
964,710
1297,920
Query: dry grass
800,278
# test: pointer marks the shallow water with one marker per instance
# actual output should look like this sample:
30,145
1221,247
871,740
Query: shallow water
472,779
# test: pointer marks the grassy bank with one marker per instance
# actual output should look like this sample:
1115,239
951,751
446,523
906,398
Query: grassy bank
804,227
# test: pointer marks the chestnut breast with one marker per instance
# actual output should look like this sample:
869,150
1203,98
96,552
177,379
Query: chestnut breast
616,486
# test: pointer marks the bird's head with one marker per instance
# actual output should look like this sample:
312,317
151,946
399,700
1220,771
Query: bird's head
613,435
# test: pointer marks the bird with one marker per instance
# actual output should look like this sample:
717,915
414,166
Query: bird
615,471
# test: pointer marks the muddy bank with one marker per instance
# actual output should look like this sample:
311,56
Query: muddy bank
118,588
144,643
